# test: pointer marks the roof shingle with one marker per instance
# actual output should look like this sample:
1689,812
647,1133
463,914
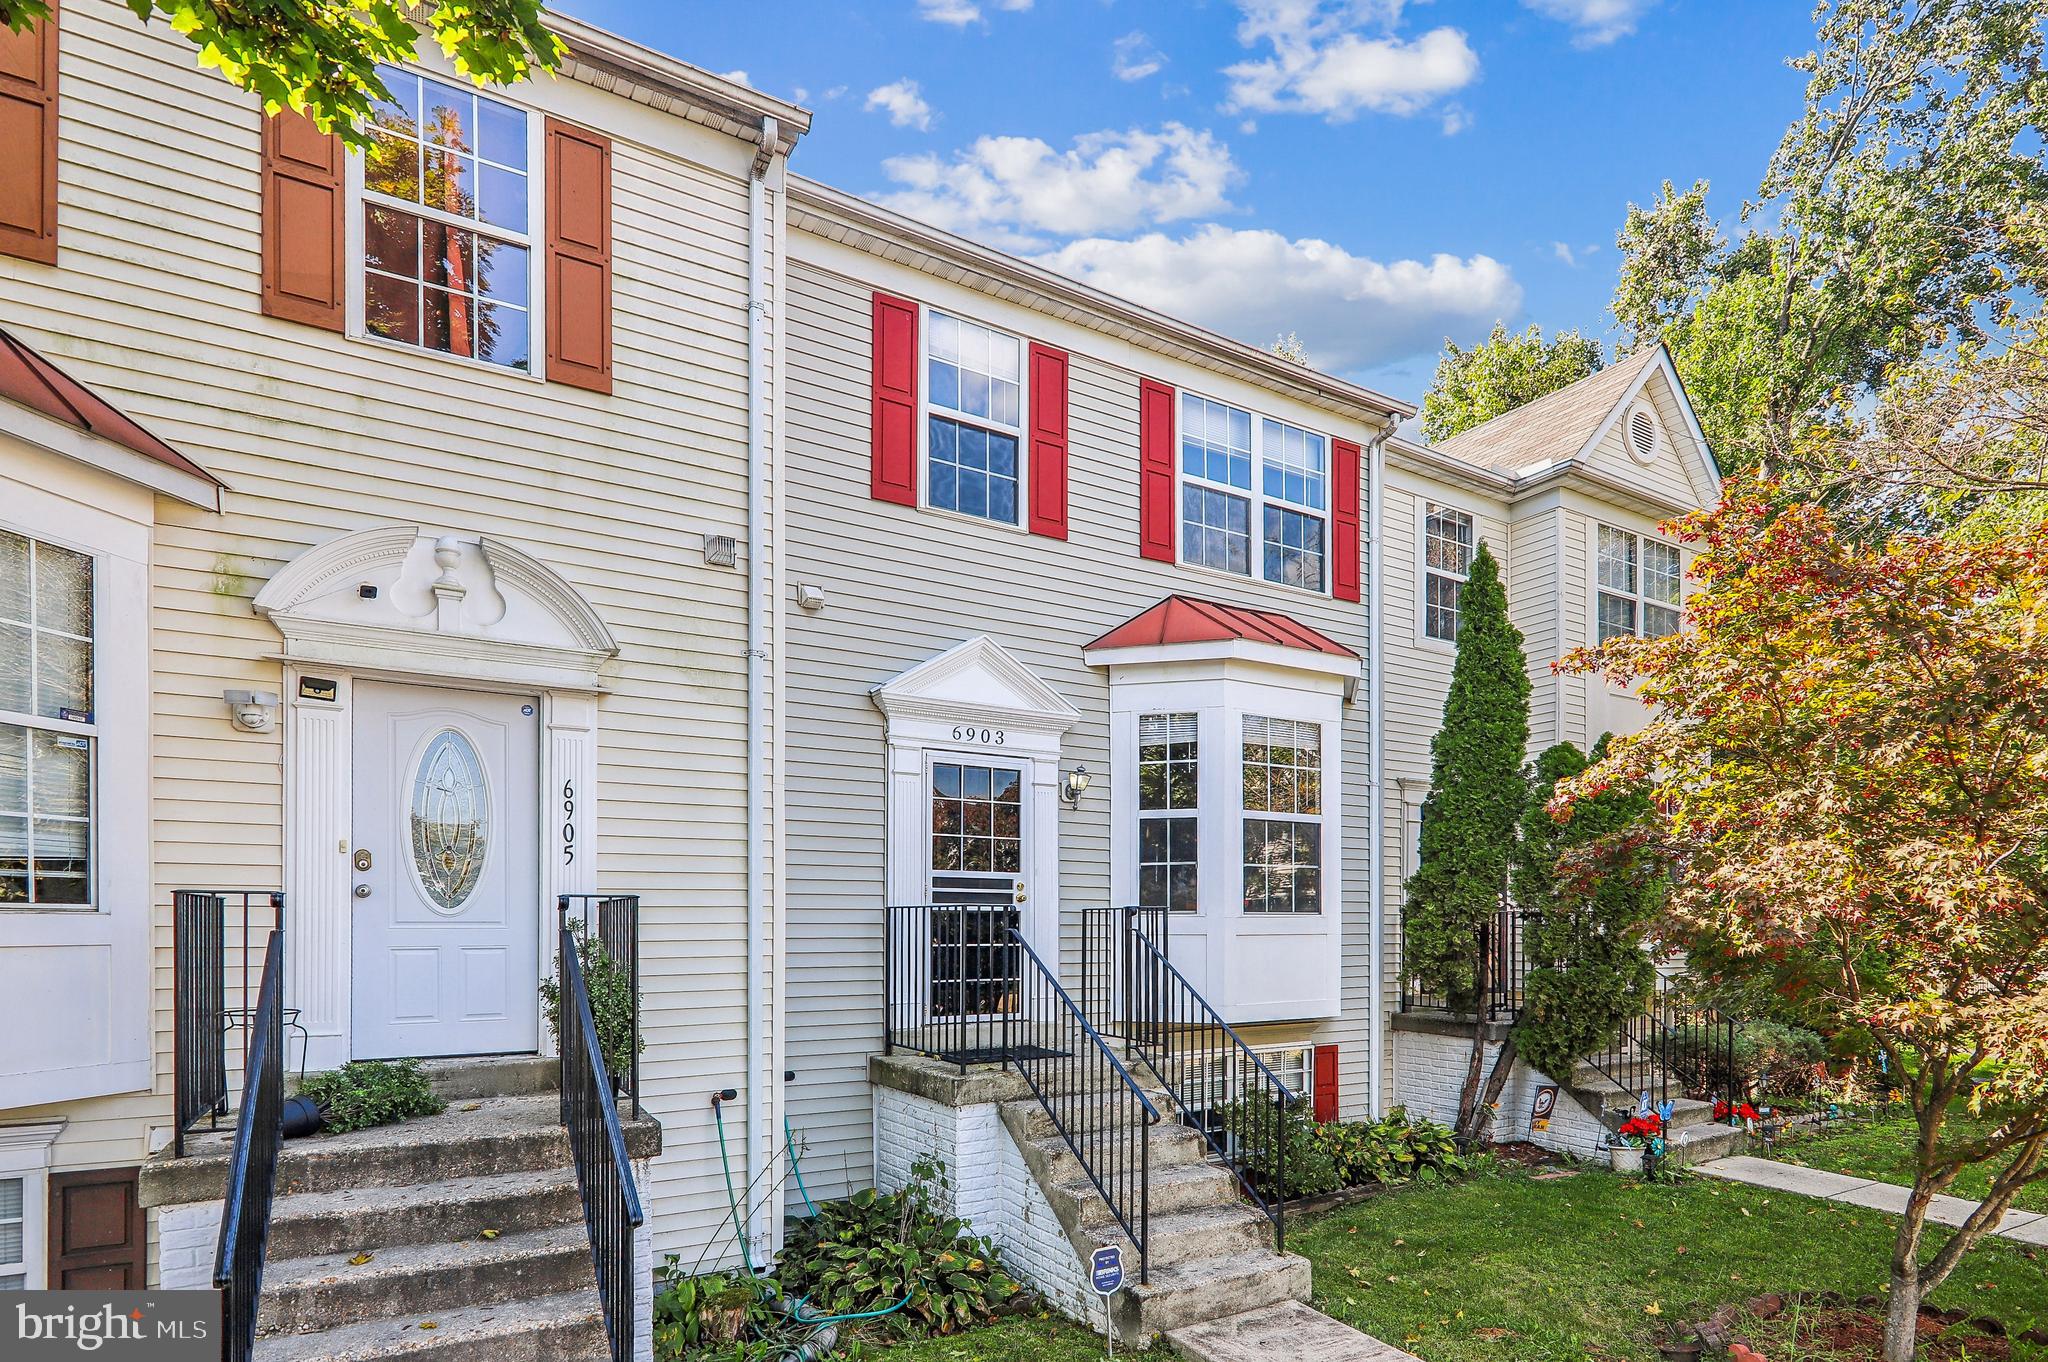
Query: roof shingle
1555,426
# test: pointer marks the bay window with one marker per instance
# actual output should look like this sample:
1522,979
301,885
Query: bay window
1283,826
1168,811
448,259
974,415
1639,585
47,728
1241,477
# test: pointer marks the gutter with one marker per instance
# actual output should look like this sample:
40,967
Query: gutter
1375,706
763,1085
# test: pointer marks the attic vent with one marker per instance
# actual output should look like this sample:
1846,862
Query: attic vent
1642,434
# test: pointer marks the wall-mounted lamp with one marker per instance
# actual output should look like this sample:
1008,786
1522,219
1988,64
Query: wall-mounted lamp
1076,782
252,710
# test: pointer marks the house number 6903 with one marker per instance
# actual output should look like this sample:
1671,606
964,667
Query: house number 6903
568,822
987,737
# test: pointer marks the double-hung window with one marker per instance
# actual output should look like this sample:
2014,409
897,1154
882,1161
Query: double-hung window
1283,816
1168,811
448,260
1640,585
1254,494
1448,543
47,728
974,420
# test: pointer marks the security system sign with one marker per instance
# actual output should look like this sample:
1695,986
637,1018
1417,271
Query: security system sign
1106,1270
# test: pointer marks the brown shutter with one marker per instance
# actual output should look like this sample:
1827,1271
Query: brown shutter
28,131
579,168
97,1240
302,232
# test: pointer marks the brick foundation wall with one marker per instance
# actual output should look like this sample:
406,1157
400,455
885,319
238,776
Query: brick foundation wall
1429,1075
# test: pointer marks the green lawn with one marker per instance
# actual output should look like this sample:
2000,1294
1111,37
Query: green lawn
1010,1340
1882,1149
1510,1269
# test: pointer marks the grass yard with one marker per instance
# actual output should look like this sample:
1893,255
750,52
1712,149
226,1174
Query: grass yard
1509,1268
1881,1149
1010,1340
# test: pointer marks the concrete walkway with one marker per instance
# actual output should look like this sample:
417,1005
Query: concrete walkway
1292,1331
2029,1227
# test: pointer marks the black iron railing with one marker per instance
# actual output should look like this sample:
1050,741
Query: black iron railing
1222,1088
252,1167
1096,1104
950,981
1675,1047
1110,984
1499,970
217,938
614,920
604,1171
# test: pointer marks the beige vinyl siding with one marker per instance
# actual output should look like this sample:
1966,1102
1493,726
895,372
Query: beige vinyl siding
1678,472
1535,568
902,585
155,304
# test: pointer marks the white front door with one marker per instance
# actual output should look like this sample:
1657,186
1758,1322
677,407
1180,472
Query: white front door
975,882
447,873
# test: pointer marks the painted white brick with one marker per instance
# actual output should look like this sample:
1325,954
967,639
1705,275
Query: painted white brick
186,1237
1429,1076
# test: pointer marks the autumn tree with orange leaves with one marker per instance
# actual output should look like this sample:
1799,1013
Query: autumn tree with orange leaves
1849,746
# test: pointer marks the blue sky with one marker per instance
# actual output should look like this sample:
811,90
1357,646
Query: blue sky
1372,174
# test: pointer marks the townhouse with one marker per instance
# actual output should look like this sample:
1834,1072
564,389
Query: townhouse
559,498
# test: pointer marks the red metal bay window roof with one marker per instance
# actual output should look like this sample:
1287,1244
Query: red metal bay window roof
1188,619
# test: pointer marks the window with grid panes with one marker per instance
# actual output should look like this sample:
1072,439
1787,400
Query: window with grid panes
975,423
447,208
1283,823
1254,494
1448,542
1641,585
1168,815
13,1234
47,728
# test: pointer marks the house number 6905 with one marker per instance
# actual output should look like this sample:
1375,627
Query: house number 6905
987,737
568,822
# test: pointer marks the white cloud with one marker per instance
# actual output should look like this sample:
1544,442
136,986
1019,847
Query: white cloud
902,102
736,77
1595,22
1135,57
1457,118
1563,251
961,13
1017,191
1324,62
1350,311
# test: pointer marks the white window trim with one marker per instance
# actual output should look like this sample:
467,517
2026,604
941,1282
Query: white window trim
1269,1053
355,241
1256,496
1423,571
1593,579
1142,815
89,730
25,1154
926,410
1320,820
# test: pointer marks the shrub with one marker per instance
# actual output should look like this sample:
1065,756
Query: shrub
1766,1058
371,1092
872,1249
1310,1166
700,1316
1324,1157
611,1003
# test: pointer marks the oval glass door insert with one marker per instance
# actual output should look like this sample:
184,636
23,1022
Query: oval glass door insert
451,819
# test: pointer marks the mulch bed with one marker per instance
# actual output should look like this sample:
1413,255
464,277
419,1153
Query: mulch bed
1522,1154
1828,1324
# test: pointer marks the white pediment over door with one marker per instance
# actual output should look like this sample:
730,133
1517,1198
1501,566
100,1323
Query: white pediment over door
458,606
976,682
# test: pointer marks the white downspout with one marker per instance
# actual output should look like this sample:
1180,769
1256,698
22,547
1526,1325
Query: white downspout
763,1079
1375,705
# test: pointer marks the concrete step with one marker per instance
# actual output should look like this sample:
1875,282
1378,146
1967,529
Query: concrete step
1175,1187
466,1080
1704,1143
568,1327
1098,1114
312,1223
1055,1163
1193,1235
1195,1292
325,1291
487,1136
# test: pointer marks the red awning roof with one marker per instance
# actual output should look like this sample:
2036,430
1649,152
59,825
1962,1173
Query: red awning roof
26,377
1187,619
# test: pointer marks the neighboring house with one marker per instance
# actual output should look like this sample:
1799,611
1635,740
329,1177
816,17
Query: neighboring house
563,499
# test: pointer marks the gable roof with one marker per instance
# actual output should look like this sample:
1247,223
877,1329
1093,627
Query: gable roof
1556,426
34,382
1189,619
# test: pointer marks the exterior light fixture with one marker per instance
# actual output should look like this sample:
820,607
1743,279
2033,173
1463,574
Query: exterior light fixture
1076,782
251,710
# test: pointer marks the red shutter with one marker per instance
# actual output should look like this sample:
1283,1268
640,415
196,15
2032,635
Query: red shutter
1326,1083
1048,441
97,1242
1344,506
302,233
579,167
1155,471
28,129
893,475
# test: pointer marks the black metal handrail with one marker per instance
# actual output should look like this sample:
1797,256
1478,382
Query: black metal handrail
1499,958
208,944
1098,1107
1221,1086
949,981
252,1167
617,929
1674,1046
604,1170
1108,988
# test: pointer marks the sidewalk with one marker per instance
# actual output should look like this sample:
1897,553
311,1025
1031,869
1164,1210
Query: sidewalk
2028,1227
1291,1331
